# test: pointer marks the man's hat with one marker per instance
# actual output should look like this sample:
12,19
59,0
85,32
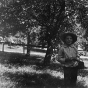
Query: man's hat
74,37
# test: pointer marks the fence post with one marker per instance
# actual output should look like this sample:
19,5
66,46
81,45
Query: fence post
3,46
23,49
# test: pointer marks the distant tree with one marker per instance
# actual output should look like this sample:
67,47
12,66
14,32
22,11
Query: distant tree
19,19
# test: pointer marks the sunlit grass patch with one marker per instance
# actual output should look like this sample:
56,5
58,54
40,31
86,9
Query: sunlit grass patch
6,83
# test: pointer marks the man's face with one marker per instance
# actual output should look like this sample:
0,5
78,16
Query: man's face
68,40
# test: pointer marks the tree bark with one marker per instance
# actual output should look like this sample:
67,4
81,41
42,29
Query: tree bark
28,46
48,55
3,44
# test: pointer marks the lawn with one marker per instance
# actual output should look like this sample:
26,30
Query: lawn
21,71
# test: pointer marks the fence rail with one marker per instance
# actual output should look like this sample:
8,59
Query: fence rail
81,52
22,45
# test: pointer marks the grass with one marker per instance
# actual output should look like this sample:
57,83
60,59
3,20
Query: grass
21,70
18,59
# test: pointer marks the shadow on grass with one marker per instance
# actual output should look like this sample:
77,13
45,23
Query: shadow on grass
35,80
18,59
21,60
27,80
83,72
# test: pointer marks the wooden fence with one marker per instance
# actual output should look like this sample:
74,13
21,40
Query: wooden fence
22,45
81,52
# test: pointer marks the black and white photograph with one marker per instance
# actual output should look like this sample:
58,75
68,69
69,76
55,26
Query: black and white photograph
43,43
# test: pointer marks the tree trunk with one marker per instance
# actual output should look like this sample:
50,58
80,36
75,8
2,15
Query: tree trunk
28,46
48,55
3,44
